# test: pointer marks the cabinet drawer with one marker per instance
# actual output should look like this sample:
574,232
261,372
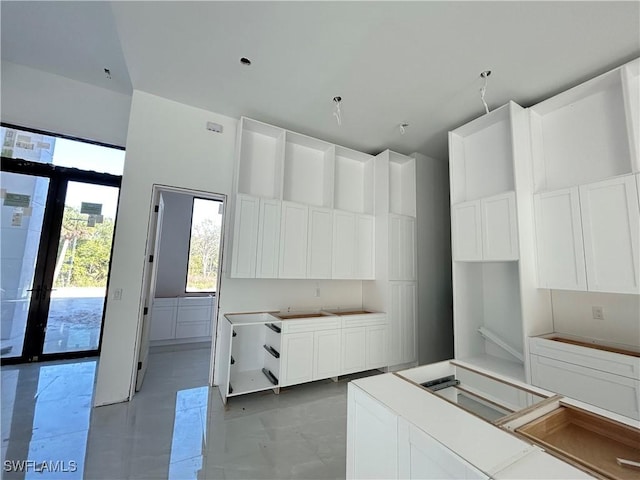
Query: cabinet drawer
612,392
311,324
194,301
194,314
165,302
616,363
192,329
365,320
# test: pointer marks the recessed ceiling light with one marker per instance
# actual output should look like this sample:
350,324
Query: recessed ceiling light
245,61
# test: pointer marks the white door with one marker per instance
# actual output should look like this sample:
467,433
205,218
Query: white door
320,243
372,437
611,229
245,236
365,250
376,346
499,227
344,245
559,240
326,351
466,233
268,247
354,353
293,240
296,359
149,287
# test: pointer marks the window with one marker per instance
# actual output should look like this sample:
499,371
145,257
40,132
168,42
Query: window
204,245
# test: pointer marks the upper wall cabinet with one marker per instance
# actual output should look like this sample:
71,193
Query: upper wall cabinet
402,184
260,154
353,183
587,133
308,170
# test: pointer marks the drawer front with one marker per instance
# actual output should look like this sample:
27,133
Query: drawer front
192,330
195,301
310,324
165,302
612,392
365,320
194,314
610,362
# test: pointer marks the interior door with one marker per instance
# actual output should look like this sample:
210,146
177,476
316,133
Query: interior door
153,248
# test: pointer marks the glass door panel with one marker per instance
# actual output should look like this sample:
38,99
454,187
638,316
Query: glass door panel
23,204
81,271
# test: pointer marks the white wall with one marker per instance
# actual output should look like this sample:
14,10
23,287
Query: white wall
174,245
168,144
435,300
40,100
572,314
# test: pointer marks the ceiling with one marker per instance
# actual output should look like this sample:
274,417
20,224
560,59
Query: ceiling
391,62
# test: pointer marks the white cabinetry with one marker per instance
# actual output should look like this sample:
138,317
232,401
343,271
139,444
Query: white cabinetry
402,323
372,437
607,379
268,244
320,253
486,229
611,228
559,240
309,178
297,364
589,237
402,247
181,318
245,237
293,240
326,360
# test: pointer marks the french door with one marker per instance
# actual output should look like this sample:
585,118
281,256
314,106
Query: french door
57,228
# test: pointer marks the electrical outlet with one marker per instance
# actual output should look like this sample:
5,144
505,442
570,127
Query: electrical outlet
597,313
117,294
317,291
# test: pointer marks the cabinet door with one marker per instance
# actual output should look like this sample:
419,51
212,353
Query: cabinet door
296,358
320,243
394,322
559,240
408,325
326,352
466,235
376,346
344,245
499,227
402,248
611,229
268,248
245,235
293,240
365,251
372,437
163,323
422,457
354,356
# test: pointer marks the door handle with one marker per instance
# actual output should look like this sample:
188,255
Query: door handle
37,291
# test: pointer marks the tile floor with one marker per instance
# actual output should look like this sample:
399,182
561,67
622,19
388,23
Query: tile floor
175,427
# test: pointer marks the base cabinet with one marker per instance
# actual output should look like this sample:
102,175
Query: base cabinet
181,318
326,363
297,358
422,457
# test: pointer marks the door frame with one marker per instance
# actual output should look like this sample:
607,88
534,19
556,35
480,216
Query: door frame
59,177
150,271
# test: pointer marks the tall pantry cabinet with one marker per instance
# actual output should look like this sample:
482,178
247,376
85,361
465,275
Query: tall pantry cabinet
395,288
496,303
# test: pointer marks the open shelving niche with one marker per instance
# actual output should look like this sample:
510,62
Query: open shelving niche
260,159
588,133
255,349
488,295
402,184
353,183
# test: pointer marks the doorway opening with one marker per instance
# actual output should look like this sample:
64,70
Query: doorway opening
59,200
182,279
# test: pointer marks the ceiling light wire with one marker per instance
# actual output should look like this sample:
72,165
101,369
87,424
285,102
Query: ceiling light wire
483,89
403,128
337,113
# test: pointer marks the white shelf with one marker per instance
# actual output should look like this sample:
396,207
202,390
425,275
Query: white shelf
248,382
353,184
581,135
308,170
260,159
481,155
